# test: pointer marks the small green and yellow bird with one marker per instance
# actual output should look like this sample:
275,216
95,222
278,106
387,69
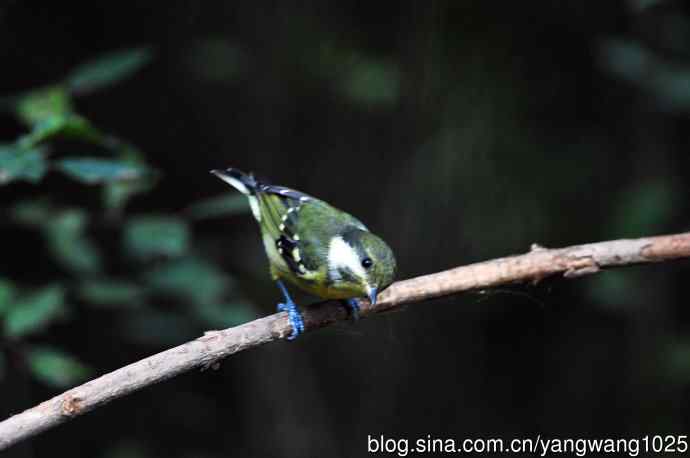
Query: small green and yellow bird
314,246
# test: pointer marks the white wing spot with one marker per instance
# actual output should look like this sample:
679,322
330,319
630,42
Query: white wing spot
281,227
280,250
295,237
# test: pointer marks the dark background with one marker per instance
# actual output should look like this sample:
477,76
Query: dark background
458,131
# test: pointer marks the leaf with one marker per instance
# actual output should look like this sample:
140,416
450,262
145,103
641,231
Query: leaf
154,327
216,60
372,82
7,295
116,194
68,126
55,367
192,279
109,292
67,240
35,311
38,105
639,6
18,163
64,231
127,448
645,209
107,70
33,212
626,59
151,236
222,315
663,80
223,205
677,361
91,170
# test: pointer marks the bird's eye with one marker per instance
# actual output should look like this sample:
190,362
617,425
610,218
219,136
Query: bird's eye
367,262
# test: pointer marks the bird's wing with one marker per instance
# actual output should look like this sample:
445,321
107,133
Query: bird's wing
302,227
280,212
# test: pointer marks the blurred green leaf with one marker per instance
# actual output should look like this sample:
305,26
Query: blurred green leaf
216,60
7,294
671,88
116,194
158,328
68,126
35,311
64,231
95,170
626,59
191,279
372,82
107,69
41,104
151,236
67,240
33,212
109,292
645,209
223,205
640,5
677,361
610,287
55,367
126,449
18,163
666,81
221,315
330,59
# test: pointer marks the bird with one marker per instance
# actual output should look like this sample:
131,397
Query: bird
314,246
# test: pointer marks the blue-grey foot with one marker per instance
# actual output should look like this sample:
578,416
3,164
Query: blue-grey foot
294,315
353,304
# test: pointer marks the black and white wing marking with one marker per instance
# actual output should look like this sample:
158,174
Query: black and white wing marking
280,207
284,192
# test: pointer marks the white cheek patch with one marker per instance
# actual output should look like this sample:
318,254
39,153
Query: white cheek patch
341,255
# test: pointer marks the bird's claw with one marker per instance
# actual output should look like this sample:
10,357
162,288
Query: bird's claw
295,318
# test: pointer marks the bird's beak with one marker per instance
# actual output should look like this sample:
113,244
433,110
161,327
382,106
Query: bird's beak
372,295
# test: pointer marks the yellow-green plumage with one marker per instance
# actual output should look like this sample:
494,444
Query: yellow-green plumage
313,245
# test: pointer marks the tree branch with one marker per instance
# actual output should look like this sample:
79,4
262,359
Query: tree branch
207,350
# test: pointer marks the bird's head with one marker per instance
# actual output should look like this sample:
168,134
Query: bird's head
363,260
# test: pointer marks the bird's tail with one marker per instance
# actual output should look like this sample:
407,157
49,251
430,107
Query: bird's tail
243,182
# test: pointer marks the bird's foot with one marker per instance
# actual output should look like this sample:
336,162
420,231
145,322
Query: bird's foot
294,316
353,305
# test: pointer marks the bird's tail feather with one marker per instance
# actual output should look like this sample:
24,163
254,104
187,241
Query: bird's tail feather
243,182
